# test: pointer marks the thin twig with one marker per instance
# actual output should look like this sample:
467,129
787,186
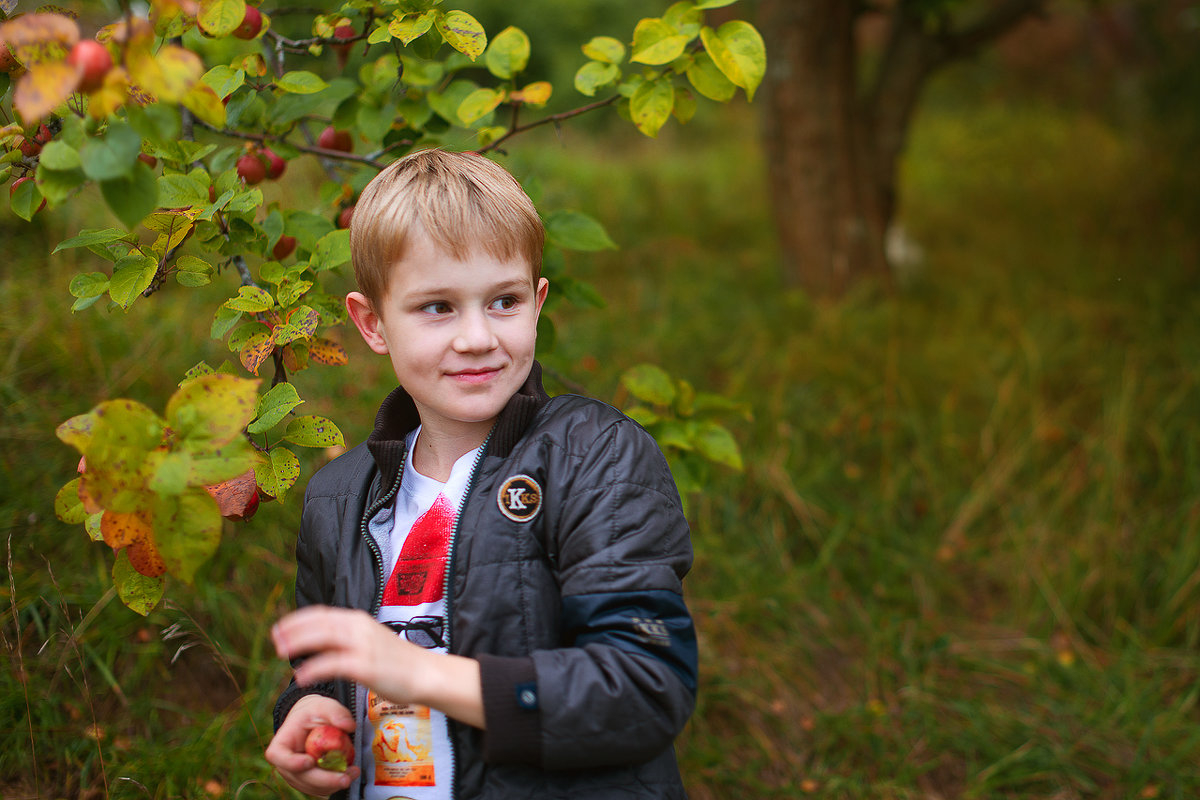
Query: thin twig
553,118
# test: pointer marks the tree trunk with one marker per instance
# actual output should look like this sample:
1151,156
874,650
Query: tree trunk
834,138
828,211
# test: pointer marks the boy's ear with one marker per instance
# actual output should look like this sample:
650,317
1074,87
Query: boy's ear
367,321
543,288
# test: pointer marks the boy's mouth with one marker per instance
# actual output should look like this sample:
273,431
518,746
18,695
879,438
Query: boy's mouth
479,375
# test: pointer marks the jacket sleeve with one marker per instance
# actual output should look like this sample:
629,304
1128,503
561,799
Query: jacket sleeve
313,587
623,684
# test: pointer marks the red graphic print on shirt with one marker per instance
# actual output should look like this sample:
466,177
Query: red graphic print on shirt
421,567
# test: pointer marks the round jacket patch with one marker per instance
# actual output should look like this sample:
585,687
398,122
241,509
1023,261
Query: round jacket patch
520,498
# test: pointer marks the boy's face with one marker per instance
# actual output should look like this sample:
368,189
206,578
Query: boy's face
460,334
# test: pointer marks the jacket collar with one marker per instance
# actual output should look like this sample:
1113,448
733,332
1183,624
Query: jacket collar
398,416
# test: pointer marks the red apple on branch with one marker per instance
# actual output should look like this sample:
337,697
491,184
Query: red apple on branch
276,164
92,61
250,25
333,139
284,247
251,169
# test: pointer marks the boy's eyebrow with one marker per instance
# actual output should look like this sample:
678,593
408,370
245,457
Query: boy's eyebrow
440,291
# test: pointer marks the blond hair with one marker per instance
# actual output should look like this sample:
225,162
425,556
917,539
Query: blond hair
464,203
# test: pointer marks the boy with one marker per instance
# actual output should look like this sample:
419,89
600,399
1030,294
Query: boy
490,586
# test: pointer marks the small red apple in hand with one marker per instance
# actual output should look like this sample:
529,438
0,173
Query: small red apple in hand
331,747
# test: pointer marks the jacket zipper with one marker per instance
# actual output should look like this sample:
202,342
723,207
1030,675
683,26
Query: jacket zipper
380,578
448,579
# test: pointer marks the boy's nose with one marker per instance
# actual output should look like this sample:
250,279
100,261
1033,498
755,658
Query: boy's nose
475,335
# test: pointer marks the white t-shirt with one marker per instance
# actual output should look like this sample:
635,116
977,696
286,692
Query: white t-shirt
404,749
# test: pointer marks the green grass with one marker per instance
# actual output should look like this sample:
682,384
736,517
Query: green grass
963,558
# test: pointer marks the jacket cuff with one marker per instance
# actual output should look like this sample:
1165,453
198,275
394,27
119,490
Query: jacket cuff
292,695
510,709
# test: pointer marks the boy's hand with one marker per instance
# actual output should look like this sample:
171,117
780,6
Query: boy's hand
286,750
341,643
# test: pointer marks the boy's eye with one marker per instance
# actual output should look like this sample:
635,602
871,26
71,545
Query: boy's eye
438,307
506,303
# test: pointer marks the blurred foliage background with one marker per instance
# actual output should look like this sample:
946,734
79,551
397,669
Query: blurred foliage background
963,558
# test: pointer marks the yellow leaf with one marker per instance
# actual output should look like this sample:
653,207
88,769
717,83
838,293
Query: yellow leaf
44,88
121,530
327,352
180,69
204,103
255,351
535,94
111,96
38,37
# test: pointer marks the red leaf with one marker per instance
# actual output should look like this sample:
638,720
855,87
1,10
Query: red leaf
237,498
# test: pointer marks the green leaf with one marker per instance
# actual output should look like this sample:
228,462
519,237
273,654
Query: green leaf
313,431
462,32
67,505
508,53
704,4
424,74
650,384
478,104
90,284
411,27
716,443
92,526
169,472
139,592
594,75
446,103
92,236
224,321
605,49
58,185
708,80
191,271
301,81
25,199
212,409
224,80
113,155
277,471
251,299
178,191
738,51
131,276
655,42
59,155
219,18
685,18
331,250
77,431
132,198
651,105
209,466
187,530
274,406
574,230
123,434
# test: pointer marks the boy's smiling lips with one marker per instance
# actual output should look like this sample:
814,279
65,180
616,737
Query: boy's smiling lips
474,374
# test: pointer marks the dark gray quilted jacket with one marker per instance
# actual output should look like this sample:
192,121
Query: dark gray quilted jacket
568,592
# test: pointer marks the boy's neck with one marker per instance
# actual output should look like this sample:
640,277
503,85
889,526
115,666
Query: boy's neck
435,452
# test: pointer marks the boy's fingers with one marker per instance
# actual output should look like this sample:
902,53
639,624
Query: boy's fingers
314,628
